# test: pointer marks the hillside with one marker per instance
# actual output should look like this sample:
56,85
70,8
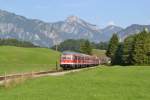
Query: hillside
104,83
132,29
17,59
46,34
98,52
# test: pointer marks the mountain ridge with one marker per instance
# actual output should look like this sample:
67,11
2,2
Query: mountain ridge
46,34
132,29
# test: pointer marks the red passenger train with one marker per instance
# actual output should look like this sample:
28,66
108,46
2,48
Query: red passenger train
70,60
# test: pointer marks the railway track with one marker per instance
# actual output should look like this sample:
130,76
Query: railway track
39,74
27,74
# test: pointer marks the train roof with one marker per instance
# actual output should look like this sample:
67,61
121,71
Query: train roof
73,53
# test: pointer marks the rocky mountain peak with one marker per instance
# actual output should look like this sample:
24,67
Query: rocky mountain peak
112,27
3,13
47,34
72,19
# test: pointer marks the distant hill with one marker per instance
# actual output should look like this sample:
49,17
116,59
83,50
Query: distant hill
14,42
47,34
18,59
108,31
133,29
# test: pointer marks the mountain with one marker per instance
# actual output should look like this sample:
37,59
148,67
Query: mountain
108,31
19,27
76,28
133,29
47,34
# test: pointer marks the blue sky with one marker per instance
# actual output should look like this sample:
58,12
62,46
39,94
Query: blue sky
100,12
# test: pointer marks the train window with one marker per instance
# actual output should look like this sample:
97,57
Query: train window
79,58
68,57
75,58
63,57
82,58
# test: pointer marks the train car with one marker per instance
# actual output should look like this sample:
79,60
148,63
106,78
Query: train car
71,60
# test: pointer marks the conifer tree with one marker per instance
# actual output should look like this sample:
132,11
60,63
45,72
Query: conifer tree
86,47
141,49
118,55
112,47
127,50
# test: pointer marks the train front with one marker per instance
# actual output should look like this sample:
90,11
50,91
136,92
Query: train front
66,61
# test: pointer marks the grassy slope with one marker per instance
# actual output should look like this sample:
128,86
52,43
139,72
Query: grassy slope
114,83
16,59
98,52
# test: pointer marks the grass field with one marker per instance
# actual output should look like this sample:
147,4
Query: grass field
17,59
98,52
104,83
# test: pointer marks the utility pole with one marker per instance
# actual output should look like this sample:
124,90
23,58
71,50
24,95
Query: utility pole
56,42
56,65
56,47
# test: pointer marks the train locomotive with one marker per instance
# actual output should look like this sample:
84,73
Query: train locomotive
72,60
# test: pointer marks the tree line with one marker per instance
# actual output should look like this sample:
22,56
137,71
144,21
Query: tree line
134,50
80,45
15,42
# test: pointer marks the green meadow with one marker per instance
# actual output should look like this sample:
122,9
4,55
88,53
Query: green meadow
19,59
98,52
102,83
